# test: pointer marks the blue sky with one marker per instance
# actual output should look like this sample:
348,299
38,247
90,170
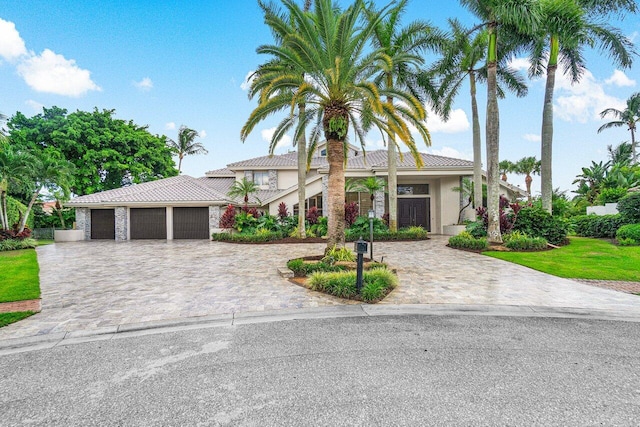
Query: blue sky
167,63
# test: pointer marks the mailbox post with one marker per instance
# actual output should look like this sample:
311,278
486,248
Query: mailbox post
361,249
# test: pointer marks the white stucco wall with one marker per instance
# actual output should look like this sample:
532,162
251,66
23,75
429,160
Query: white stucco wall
607,209
287,179
292,198
449,201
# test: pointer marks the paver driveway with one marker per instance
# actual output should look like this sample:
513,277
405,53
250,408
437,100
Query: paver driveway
87,285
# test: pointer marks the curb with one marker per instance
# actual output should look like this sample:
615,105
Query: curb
128,330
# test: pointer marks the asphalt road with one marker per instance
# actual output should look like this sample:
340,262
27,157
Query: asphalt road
396,370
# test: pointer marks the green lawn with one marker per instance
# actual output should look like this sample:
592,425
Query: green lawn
7,318
19,275
42,242
582,259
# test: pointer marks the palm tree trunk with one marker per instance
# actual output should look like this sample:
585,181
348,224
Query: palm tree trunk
477,145
4,219
23,222
634,158
493,141
547,140
302,178
528,181
335,225
179,163
392,172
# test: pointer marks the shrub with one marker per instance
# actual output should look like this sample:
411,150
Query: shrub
258,237
301,268
537,222
321,227
519,241
361,225
16,244
289,224
268,222
597,225
351,212
611,195
629,232
628,242
629,208
283,212
313,215
465,240
228,217
338,254
411,233
377,283
477,229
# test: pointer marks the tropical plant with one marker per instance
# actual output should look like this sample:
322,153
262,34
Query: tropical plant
527,166
627,117
566,28
505,167
466,196
372,185
186,145
510,18
243,188
621,153
464,56
629,207
590,180
330,47
14,168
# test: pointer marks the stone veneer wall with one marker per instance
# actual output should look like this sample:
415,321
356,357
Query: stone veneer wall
248,175
83,221
273,179
121,223
214,217
325,195
378,204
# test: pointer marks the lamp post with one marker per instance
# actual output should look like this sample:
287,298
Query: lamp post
372,215
360,247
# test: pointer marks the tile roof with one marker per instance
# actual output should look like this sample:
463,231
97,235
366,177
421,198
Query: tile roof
182,188
378,159
220,172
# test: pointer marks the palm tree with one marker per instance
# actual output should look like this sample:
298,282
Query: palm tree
14,166
372,185
244,189
505,166
527,166
508,17
591,179
402,47
567,27
466,191
465,56
186,145
627,117
620,154
330,46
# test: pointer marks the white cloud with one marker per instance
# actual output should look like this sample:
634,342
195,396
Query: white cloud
145,84
520,64
450,152
53,73
457,122
202,133
583,101
267,134
532,137
375,144
170,126
246,83
620,79
35,105
12,46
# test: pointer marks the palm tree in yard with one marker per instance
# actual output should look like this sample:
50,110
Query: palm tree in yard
527,166
507,17
464,56
567,27
186,145
505,166
14,168
331,48
403,48
244,189
627,117
372,185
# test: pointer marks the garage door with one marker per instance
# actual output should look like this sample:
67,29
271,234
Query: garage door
103,224
190,223
148,223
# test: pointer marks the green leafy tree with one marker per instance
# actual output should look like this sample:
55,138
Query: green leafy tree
591,179
505,167
330,47
107,153
14,168
372,185
186,144
244,189
566,28
464,56
627,117
527,166
506,17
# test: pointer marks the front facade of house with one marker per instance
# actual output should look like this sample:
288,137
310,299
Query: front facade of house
183,207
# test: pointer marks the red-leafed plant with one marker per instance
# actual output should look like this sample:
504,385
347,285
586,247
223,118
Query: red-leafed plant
313,215
507,219
283,212
351,211
228,217
252,211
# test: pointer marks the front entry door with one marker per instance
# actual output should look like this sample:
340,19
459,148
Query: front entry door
414,212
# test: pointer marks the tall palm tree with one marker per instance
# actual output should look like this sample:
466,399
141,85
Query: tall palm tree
331,47
627,117
465,56
401,69
591,179
567,27
186,146
620,154
14,168
243,188
506,17
505,166
527,166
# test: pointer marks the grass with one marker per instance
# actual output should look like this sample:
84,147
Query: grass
583,258
7,318
19,275
43,242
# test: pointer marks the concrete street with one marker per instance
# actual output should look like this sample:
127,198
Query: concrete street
379,370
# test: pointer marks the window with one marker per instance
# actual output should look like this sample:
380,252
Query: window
261,179
309,203
323,152
413,189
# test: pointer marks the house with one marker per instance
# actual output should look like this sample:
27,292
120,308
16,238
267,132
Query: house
184,207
